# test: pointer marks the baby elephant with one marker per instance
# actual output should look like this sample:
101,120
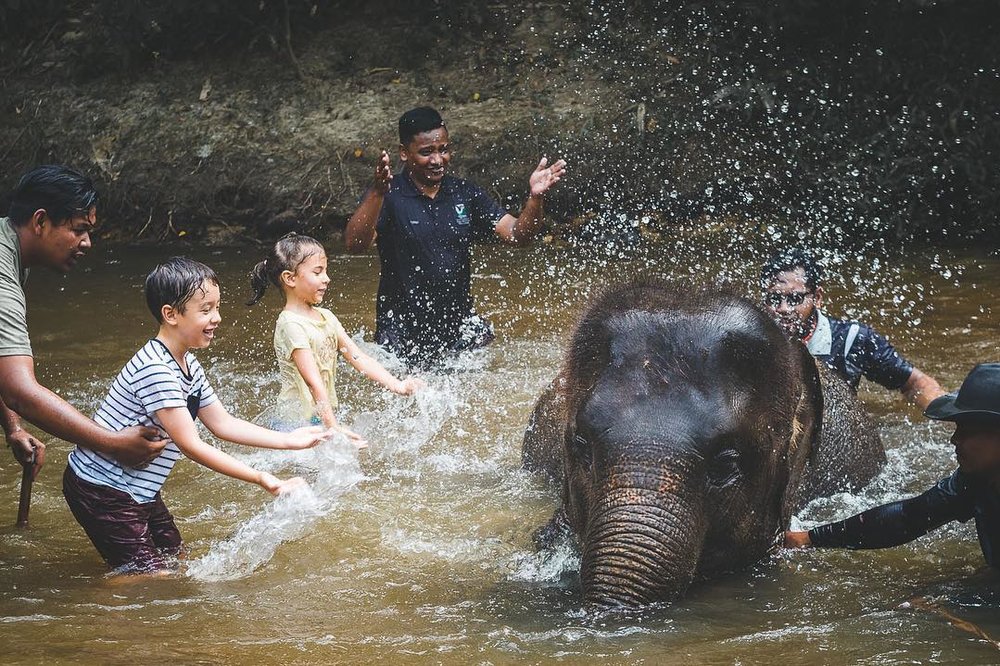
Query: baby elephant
686,429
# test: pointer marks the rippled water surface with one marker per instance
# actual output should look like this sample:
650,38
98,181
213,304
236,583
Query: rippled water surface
418,550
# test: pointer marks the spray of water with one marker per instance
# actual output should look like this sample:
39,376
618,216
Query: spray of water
334,466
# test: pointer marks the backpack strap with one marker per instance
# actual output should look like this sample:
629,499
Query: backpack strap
852,335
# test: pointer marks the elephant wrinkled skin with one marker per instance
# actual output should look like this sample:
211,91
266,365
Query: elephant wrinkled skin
686,429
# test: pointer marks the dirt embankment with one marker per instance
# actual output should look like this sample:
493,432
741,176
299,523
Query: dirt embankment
843,125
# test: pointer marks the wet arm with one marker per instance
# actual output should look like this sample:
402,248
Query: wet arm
22,394
921,388
306,364
360,231
890,524
225,426
180,427
519,230
366,365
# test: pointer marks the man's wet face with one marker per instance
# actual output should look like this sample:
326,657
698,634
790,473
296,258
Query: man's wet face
426,156
792,303
68,240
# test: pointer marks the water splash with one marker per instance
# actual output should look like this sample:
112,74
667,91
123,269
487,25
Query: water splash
548,565
288,517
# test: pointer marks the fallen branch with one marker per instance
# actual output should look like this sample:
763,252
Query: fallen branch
926,604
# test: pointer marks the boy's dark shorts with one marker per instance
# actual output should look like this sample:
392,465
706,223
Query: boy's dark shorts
139,537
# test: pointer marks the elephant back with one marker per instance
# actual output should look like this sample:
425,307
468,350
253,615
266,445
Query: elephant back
848,452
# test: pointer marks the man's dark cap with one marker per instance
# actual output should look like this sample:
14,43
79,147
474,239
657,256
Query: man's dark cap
418,120
978,396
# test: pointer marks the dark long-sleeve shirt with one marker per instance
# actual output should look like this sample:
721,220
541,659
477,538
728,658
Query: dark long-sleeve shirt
958,497
852,349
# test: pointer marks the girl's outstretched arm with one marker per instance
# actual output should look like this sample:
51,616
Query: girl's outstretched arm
180,427
226,426
374,370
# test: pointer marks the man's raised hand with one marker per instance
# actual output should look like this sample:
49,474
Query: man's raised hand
544,176
383,173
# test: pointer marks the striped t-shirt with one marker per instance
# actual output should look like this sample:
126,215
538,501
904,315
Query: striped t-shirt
150,381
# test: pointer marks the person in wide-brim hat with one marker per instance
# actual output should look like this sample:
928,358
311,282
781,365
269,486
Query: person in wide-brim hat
972,491
979,396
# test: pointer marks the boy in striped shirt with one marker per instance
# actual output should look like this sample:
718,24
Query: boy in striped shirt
164,386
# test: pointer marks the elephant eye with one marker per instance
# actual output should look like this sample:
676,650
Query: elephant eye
581,447
724,468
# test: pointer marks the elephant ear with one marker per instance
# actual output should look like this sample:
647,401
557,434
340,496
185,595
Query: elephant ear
543,444
805,431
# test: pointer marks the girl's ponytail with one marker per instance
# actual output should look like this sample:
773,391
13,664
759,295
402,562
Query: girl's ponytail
286,255
258,281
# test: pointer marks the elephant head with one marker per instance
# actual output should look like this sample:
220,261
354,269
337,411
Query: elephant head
688,418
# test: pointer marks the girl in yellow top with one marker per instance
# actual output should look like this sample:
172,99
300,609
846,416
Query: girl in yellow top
308,337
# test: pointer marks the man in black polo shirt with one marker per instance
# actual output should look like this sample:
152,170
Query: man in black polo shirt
424,222
792,292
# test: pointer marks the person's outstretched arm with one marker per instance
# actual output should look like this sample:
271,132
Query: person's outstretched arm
374,370
305,363
22,394
890,524
885,366
360,231
519,230
921,388
180,427
225,426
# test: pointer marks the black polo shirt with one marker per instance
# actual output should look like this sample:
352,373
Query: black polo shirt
425,248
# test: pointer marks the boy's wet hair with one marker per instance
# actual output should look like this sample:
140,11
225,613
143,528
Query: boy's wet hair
416,121
174,282
61,191
787,260
287,254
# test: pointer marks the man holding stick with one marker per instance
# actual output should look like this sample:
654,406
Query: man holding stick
53,211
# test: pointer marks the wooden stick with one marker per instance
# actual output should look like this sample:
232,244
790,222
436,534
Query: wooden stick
25,502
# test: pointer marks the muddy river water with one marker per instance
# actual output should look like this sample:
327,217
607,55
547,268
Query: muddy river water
418,550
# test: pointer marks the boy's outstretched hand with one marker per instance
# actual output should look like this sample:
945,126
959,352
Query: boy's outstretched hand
276,486
307,437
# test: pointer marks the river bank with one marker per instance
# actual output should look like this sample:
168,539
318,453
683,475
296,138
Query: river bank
848,127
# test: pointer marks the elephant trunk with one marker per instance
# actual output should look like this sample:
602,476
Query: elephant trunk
641,546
